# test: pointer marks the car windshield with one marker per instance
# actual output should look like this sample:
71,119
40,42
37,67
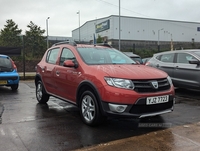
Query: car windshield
97,55
5,62
197,53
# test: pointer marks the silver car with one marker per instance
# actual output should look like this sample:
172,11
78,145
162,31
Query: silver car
183,66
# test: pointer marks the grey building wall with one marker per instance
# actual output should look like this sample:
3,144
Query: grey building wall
140,29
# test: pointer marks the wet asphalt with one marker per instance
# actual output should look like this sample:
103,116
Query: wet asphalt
56,126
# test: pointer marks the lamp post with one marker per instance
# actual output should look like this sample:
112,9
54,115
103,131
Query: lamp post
119,27
79,25
172,43
47,32
159,38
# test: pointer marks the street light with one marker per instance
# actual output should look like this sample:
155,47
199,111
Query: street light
47,32
159,38
79,25
172,47
119,27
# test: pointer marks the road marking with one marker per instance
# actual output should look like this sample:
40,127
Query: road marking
2,132
187,139
13,133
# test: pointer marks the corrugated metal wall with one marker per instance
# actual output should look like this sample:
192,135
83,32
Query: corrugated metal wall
143,29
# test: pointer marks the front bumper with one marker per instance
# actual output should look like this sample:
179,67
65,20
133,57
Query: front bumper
140,109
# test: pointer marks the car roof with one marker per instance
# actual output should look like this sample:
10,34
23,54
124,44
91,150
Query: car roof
130,54
174,51
1,55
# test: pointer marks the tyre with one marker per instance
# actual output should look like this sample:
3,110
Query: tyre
89,109
14,87
41,95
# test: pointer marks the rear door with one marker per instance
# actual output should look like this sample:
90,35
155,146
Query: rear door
165,62
48,70
186,74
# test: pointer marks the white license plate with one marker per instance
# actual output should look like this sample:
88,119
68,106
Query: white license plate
157,99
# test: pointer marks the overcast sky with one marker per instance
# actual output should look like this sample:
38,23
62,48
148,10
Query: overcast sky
64,18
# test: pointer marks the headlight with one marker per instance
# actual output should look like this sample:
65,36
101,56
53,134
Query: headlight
120,83
170,80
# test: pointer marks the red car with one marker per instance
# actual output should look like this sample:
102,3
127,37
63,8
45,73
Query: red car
102,82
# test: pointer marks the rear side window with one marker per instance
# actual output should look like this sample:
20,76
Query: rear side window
166,58
52,55
5,62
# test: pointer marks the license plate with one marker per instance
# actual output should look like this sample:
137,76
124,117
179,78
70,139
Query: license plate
3,82
157,99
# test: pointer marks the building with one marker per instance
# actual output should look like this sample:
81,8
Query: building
55,39
139,31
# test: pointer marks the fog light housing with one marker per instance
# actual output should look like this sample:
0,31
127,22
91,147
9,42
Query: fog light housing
117,107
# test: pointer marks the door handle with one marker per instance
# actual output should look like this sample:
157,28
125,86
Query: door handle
57,73
157,66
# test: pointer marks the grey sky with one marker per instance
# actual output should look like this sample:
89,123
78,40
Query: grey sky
64,18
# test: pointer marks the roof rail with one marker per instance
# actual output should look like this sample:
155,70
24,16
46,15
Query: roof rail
65,42
103,44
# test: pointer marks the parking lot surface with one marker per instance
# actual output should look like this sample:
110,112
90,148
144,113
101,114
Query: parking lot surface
27,125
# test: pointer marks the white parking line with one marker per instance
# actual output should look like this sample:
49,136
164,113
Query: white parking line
187,139
13,133
2,132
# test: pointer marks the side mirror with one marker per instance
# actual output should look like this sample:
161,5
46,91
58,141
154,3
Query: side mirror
70,63
194,61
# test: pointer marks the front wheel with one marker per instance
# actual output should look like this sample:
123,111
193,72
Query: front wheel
14,87
41,95
89,109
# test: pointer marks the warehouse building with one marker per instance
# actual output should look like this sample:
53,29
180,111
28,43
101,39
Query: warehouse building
140,32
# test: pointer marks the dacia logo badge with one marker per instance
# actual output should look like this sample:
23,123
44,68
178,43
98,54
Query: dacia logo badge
154,84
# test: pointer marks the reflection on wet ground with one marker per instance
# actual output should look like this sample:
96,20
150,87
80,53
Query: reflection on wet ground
57,125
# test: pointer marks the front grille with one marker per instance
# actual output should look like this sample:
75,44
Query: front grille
146,86
143,108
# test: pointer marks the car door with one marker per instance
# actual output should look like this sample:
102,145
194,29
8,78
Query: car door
48,70
185,74
66,77
165,62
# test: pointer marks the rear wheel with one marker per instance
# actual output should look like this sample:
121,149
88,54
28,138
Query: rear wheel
41,95
89,109
14,87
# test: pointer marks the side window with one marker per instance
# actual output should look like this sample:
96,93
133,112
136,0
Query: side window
66,55
167,58
52,56
184,58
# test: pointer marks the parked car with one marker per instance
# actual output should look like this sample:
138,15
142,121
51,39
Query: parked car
145,60
8,72
183,66
102,82
134,57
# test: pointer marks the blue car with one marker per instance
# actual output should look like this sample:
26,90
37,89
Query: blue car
8,73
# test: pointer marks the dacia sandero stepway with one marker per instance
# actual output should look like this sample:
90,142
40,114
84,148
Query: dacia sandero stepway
102,82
